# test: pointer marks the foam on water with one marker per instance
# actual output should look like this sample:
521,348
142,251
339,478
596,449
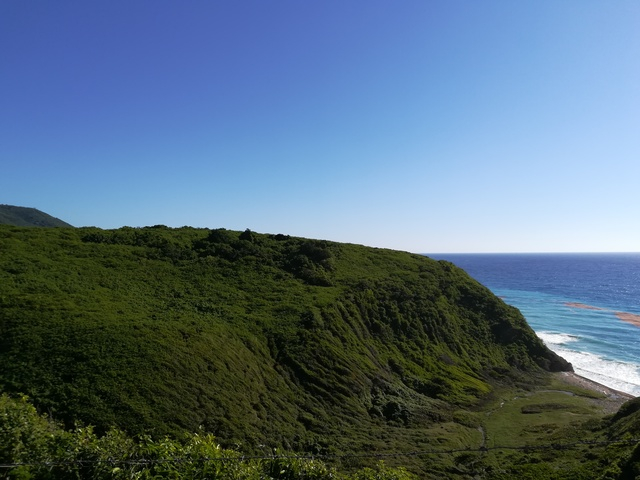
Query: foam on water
571,301
622,376
552,339
599,346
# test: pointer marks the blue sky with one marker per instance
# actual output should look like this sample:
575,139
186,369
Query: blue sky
427,126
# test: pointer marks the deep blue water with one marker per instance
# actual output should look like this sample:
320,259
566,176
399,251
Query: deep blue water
600,345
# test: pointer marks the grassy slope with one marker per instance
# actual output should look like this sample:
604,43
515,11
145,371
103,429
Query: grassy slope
267,340
543,433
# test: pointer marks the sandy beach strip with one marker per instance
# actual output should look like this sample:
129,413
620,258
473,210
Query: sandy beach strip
613,399
579,381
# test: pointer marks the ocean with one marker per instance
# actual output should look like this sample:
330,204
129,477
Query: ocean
581,305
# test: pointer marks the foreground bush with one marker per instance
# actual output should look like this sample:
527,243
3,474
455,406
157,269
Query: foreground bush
32,446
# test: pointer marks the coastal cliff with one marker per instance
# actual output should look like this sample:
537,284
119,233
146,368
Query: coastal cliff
272,341
257,337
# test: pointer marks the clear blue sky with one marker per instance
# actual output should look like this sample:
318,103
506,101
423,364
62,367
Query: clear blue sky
428,126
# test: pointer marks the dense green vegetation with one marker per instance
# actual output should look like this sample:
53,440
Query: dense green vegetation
270,341
28,217
39,448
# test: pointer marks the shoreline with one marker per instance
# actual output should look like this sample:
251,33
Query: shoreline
613,398
589,384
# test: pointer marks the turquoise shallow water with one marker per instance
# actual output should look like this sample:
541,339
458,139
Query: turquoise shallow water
544,287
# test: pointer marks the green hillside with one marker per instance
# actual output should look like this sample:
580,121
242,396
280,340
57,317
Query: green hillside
28,217
263,340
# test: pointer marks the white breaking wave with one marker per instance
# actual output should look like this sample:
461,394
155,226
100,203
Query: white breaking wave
622,376
552,339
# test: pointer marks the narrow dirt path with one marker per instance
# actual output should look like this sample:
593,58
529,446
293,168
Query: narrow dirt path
484,437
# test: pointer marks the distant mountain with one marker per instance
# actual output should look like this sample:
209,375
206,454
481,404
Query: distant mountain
28,217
